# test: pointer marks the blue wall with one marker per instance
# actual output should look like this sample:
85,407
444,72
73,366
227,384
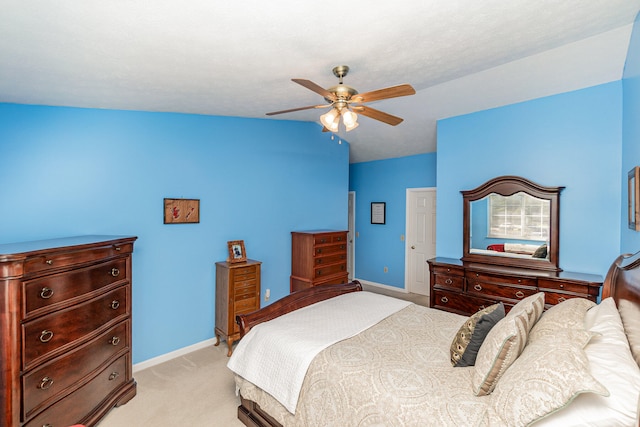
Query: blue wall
571,140
70,171
378,246
630,240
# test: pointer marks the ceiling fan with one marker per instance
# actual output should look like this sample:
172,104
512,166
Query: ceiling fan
345,102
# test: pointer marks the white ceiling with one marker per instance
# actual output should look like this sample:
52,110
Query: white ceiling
237,58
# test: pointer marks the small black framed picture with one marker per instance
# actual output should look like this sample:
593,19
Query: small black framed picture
378,212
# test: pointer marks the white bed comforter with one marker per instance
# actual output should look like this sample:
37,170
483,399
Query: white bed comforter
278,362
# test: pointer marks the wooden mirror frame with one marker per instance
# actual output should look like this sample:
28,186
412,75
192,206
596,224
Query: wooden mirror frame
507,186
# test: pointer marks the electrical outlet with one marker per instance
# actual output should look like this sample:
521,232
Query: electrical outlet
386,269
267,294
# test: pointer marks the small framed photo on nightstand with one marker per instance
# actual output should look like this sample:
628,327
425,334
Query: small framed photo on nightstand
236,251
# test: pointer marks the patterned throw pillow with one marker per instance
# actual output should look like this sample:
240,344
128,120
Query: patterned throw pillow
472,333
548,375
500,349
532,306
567,314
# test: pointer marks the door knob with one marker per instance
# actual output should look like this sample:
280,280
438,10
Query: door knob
413,247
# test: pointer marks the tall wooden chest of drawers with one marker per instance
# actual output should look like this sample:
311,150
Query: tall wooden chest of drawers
65,322
318,257
237,292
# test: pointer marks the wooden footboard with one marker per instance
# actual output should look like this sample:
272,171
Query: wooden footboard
251,415
293,302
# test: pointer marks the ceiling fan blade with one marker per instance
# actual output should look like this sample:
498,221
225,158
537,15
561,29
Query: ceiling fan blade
316,88
378,115
390,92
298,109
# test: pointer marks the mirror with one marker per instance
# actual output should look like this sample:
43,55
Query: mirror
512,221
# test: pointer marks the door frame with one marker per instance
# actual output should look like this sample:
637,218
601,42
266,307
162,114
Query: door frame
351,236
406,229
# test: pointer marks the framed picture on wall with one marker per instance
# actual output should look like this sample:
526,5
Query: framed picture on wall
181,211
378,212
236,251
634,198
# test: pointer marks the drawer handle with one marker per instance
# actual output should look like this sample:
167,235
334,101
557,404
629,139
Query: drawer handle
482,307
49,262
477,287
561,285
319,261
444,300
448,281
46,383
319,251
46,293
115,272
47,425
113,376
341,246
339,239
520,294
342,267
561,299
117,248
115,304
319,273
45,336
114,341
477,275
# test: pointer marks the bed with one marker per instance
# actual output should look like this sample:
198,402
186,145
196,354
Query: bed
575,364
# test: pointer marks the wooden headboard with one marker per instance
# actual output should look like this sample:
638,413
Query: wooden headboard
623,284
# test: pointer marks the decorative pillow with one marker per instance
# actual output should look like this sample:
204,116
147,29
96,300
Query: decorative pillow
472,333
532,306
548,375
502,346
567,314
541,252
611,363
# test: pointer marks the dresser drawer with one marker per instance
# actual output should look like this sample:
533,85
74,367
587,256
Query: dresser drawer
81,402
478,276
330,249
49,262
447,270
460,303
244,273
51,290
497,290
329,270
330,238
54,333
46,382
331,259
448,281
564,286
247,288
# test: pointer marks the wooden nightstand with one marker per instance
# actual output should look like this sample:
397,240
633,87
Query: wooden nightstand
237,292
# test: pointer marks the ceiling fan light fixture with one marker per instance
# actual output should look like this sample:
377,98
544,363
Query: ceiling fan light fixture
349,117
352,127
328,119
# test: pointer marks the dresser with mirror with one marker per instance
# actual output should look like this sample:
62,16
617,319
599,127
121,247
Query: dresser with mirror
510,251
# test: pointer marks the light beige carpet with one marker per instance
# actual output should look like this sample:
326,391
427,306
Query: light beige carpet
196,389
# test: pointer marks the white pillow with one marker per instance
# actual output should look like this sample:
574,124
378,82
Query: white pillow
613,366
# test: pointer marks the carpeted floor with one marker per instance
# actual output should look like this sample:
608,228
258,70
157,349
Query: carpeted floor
196,389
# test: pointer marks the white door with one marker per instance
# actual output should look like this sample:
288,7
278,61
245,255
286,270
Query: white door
420,238
351,253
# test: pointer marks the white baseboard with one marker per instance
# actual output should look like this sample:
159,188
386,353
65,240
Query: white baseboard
380,285
172,355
